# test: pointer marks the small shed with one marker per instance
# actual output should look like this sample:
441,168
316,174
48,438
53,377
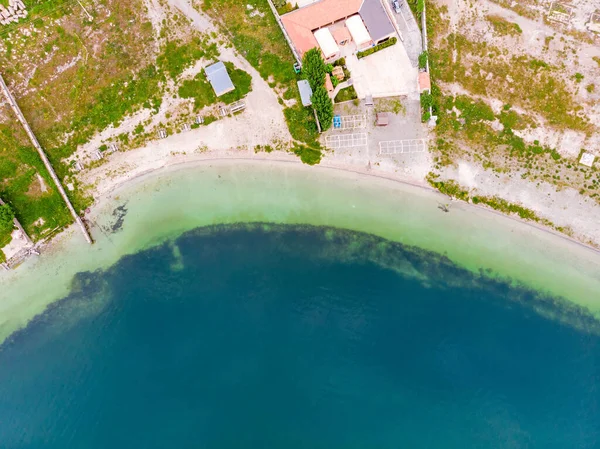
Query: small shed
383,119
305,92
219,78
359,32
327,43
338,72
587,159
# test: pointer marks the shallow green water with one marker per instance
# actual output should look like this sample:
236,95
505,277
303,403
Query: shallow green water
164,205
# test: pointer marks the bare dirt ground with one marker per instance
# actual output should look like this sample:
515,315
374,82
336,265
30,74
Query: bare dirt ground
519,103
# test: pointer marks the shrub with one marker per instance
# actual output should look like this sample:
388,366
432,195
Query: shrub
503,26
391,41
423,60
426,100
313,68
242,82
308,155
6,218
324,107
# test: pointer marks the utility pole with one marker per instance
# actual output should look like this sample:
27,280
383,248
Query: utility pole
15,107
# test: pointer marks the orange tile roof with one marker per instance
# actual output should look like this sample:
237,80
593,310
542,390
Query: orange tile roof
341,34
300,23
328,83
424,81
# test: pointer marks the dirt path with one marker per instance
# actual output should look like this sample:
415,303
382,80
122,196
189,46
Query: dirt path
199,21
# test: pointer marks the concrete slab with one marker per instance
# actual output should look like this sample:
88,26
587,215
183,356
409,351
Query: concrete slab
386,73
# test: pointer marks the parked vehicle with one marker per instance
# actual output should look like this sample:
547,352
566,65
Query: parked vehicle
396,6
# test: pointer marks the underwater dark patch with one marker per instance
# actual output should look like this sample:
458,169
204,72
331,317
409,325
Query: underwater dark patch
262,335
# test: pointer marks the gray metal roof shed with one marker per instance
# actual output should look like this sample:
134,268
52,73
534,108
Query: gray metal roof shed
219,78
376,20
305,92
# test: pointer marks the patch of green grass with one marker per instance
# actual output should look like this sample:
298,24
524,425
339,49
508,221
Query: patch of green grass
423,60
32,204
502,26
203,94
242,82
347,94
302,125
451,188
176,56
6,224
310,156
112,104
473,111
199,89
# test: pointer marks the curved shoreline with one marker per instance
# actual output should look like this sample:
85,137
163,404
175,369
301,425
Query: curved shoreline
213,189
190,163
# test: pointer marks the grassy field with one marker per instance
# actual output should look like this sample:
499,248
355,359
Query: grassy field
72,78
259,39
37,204
200,90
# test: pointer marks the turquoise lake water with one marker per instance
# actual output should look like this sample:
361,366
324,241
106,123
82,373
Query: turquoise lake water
269,336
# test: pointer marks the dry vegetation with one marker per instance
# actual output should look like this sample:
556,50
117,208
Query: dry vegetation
74,77
510,94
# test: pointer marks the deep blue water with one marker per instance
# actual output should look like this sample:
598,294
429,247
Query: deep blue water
299,338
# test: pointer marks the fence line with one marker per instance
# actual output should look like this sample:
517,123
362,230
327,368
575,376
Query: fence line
15,107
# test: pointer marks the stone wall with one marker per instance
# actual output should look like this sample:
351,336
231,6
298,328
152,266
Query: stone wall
15,11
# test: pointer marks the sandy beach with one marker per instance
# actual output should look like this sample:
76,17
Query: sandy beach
184,192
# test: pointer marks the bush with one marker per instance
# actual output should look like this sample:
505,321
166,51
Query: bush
313,68
242,82
6,226
376,48
6,218
308,155
301,123
324,107
423,60
426,100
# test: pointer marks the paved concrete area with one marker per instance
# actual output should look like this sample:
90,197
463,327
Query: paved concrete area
351,140
402,139
390,147
407,24
386,73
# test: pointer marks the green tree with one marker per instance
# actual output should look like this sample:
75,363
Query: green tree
313,67
6,218
324,107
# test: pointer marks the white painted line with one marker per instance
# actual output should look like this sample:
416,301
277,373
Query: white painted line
390,147
353,122
337,141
